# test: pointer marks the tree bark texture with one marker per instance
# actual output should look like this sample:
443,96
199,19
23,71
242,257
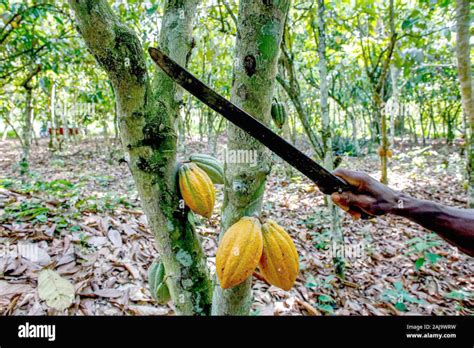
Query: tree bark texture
260,28
147,110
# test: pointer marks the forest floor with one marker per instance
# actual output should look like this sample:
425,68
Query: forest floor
78,210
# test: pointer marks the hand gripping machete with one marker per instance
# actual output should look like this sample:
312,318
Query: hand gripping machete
325,180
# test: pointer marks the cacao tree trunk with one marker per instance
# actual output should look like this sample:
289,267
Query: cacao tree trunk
260,28
181,126
27,120
326,136
303,116
355,131
394,112
105,128
26,131
285,131
65,121
52,116
378,83
413,128
292,89
211,136
5,133
116,130
34,136
147,110
384,138
379,95
422,124
465,79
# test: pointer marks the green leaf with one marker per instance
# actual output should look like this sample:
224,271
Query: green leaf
407,23
433,258
457,295
419,263
42,218
400,306
311,282
326,308
325,298
58,19
152,9
398,286
75,228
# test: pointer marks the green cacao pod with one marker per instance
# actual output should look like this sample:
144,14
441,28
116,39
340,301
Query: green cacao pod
197,189
278,114
210,165
156,280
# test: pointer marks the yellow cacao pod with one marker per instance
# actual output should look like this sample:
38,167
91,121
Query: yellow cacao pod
279,263
381,151
197,189
239,252
389,153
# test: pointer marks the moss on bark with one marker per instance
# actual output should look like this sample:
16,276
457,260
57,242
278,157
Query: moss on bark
260,28
147,109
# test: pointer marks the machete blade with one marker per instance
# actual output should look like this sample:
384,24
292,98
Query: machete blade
326,181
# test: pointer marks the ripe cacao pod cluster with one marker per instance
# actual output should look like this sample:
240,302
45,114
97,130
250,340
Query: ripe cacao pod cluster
156,280
382,153
197,189
196,182
279,114
248,245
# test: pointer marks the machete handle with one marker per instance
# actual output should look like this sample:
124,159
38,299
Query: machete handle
346,187
363,214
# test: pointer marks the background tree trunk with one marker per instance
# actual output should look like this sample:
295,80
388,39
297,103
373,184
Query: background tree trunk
292,89
26,130
260,28
326,136
105,128
465,79
355,131
394,111
27,120
65,120
5,133
378,96
52,116
147,111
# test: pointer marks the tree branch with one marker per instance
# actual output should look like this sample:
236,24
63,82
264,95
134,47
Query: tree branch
114,45
26,82
231,13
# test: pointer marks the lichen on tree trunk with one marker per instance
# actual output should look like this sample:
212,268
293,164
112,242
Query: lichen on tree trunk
147,109
260,28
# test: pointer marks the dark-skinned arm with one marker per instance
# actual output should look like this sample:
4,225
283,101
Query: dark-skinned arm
454,225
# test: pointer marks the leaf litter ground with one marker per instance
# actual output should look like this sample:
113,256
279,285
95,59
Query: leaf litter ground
78,213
